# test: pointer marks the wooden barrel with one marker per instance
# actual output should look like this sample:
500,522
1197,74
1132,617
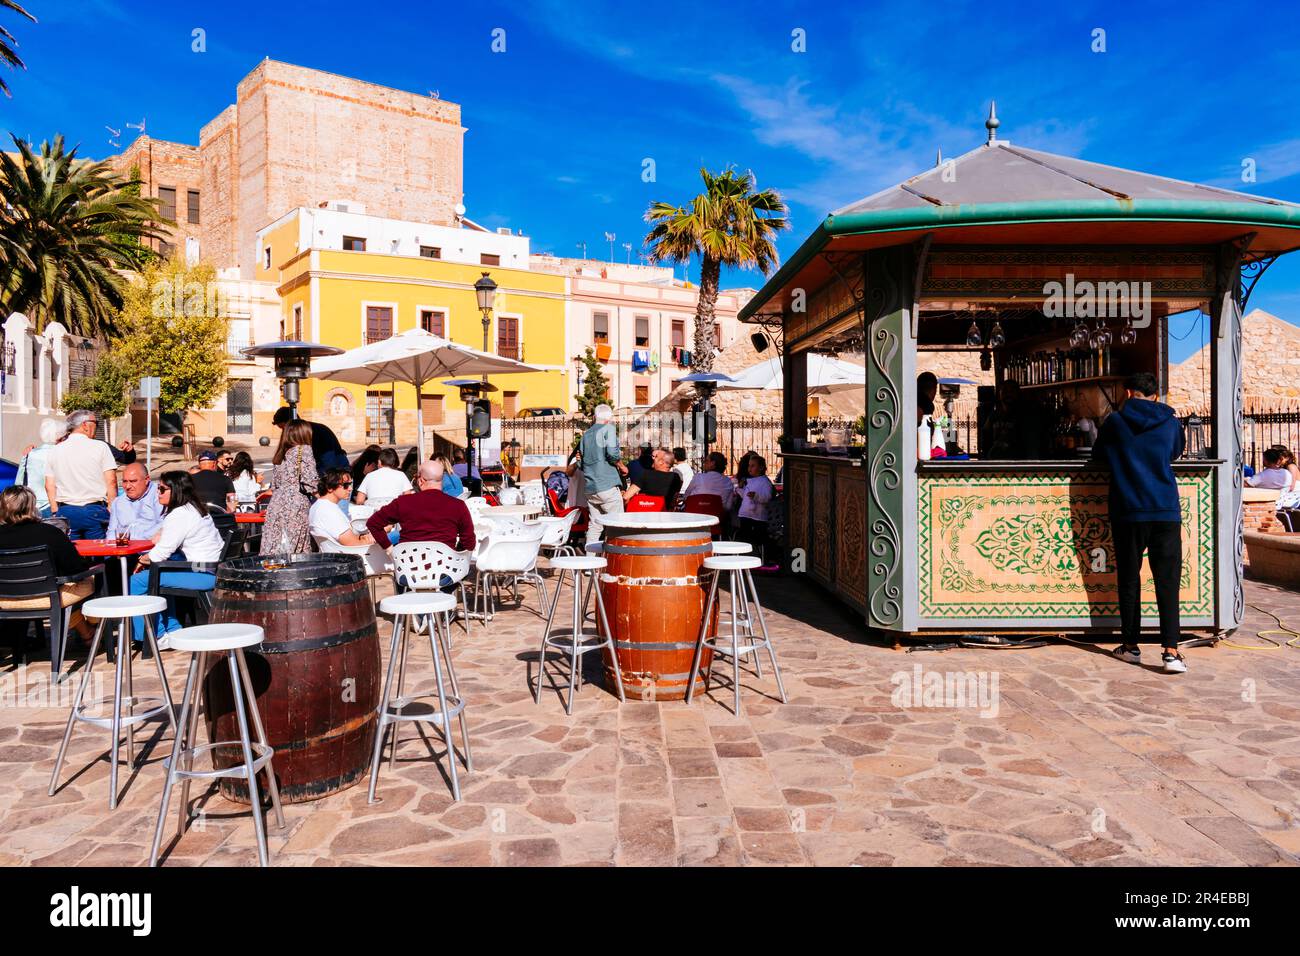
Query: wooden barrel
316,675
655,599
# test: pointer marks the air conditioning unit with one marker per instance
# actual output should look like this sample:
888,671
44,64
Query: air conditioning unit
344,205
504,231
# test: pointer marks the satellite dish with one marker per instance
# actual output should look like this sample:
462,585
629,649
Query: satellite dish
460,209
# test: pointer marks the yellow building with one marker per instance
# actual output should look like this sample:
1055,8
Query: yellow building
345,279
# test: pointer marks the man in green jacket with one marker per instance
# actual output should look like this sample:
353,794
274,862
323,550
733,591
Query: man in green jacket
602,471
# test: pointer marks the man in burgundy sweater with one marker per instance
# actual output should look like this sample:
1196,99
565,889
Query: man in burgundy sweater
426,515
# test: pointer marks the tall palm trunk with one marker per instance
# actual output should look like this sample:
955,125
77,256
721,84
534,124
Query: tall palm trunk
706,314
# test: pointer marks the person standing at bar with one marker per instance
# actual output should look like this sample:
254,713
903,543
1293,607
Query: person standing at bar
1139,443
602,471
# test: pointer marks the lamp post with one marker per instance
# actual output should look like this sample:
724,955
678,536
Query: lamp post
485,291
578,366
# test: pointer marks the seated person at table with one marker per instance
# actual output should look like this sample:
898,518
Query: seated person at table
21,527
428,515
327,520
384,483
245,478
451,483
657,481
137,511
187,534
713,480
1273,475
212,485
754,500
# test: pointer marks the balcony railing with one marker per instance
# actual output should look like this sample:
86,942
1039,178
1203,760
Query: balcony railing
235,344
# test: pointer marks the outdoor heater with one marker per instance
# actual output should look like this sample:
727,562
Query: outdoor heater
703,420
292,364
478,418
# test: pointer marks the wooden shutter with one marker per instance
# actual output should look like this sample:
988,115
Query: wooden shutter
508,337
434,321
379,323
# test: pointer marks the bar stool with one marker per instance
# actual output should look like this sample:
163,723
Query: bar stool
395,707
746,621
203,642
740,585
579,567
119,610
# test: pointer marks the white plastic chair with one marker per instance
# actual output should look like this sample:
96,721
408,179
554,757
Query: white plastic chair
534,493
511,552
425,563
374,557
510,496
476,505
555,542
358,515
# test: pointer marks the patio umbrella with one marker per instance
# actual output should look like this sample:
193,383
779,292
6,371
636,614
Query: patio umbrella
825,375
415,357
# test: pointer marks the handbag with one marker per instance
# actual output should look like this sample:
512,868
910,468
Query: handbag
308,490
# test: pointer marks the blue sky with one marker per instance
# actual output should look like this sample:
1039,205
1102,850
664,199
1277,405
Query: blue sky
560,123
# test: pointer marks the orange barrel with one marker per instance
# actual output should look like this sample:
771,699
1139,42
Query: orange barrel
655,599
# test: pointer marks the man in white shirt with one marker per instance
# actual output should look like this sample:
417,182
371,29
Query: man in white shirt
81,478
683,467
713,480
384,483
326,519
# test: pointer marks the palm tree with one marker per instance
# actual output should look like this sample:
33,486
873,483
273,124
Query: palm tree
7,43
69,228
731,224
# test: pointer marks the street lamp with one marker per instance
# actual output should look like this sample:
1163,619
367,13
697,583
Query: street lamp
578,367
485,290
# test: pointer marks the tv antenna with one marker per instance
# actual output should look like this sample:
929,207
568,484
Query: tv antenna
583,247
113,136
139,125
610,237
628,247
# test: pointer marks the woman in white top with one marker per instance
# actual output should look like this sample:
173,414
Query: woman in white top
245,478
326,519
755,497
384,483
187,534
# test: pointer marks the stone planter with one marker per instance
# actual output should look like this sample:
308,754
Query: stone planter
1275,557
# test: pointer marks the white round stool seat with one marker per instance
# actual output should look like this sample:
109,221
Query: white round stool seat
595,547
732,562
578,562
215,637
129,605
418,602
732,547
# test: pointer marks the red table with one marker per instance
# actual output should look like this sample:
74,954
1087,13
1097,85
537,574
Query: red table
111,549
250,517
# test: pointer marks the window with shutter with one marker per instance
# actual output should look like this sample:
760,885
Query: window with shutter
642,331
354,244
192,205
431,409
434,321
600,327
510,404
379,323
489,259
508,336
679,334
168,196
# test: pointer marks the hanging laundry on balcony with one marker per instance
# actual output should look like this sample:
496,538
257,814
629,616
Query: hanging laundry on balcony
640,360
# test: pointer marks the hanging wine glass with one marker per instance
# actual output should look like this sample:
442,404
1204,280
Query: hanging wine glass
1078,335
997,337
973,338
1128,335
1101,336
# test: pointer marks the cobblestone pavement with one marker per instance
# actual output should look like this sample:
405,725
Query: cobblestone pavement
1076,759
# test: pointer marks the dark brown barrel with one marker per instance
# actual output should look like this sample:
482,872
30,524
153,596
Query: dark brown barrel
316,674
655,600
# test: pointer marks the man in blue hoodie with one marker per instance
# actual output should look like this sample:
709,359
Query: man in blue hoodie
1139,442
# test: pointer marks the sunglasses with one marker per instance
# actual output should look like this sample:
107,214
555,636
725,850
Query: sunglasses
345,484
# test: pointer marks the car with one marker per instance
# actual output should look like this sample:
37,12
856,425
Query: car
543,413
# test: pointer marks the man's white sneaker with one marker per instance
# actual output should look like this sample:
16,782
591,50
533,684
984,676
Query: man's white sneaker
1127,654
1174,664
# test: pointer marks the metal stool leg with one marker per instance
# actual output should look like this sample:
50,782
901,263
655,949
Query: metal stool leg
129,700
192,736
609,639
735,640
546,632
254,798
445,636
123,650
255,715
699,641
445,721
76,702
401,681
573,640
377,755
178,744
767,639
152,640
746,592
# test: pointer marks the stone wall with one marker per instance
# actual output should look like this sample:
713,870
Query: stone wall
1270,368
174,165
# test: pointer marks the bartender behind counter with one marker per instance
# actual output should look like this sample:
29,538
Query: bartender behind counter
1015,428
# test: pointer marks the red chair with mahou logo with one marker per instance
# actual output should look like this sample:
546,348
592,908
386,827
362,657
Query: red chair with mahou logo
644,503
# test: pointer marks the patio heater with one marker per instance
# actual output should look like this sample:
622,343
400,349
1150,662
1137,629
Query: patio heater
478,419
292,363
703,418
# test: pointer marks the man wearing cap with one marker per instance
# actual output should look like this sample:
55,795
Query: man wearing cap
81,478
212,486
602,471
325,447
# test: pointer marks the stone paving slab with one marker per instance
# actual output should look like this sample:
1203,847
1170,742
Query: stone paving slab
1077,759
